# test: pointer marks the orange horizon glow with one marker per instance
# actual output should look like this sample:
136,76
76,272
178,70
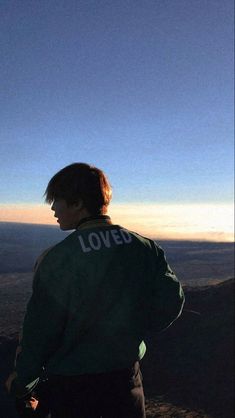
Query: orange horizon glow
207,222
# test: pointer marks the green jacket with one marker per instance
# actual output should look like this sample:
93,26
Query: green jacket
95,296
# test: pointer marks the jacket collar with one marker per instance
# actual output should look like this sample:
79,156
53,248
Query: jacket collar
93,221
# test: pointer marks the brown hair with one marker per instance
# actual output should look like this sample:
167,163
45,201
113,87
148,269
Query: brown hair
81,181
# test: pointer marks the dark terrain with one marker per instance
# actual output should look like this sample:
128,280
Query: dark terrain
192,363
188,368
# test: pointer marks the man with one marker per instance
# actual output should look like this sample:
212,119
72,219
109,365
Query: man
95,296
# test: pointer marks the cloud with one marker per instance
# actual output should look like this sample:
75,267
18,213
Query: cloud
207,221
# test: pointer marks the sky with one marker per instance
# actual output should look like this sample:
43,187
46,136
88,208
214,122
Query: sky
141,89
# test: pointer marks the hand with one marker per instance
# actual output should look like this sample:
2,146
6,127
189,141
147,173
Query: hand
9,381
32,403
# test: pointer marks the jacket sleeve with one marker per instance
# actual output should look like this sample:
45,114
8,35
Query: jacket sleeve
43,324
166,297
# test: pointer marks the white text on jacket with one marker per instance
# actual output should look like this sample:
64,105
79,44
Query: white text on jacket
99,239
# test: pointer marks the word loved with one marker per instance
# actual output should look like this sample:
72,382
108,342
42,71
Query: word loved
99,239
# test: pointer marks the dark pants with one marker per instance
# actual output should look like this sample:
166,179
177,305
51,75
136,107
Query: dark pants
117,394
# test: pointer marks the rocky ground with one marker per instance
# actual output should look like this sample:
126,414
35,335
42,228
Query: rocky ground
158,408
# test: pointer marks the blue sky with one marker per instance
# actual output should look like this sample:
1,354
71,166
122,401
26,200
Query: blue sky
142,89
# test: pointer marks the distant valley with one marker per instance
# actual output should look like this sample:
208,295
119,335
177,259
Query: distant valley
195,263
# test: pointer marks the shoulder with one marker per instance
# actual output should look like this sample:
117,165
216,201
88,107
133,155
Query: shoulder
145,241
40,258
53,252
154,248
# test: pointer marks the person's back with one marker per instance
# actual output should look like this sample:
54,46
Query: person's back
96,295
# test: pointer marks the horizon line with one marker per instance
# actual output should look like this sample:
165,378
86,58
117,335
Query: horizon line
161,238
193,222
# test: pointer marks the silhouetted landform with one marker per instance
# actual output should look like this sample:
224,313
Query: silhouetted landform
188,368
191,364
195,263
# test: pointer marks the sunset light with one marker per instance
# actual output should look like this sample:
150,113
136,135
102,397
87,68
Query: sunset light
212,222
